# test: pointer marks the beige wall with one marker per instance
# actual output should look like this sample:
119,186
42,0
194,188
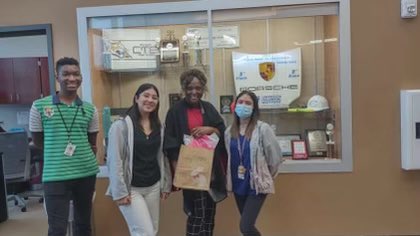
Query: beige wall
377,197
60,13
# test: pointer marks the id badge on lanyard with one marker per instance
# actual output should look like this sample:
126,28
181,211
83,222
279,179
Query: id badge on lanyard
70,148
241,172
241,167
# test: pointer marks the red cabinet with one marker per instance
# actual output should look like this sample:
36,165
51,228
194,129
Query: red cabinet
45,78
23,80
7,87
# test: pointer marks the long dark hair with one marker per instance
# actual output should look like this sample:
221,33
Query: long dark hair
134,112
234,130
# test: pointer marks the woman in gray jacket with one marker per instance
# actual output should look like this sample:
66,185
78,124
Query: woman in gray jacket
139,175
254,157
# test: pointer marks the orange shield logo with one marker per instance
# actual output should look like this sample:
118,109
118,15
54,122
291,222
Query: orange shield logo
267,70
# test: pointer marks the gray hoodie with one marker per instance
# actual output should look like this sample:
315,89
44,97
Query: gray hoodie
266,158
120,160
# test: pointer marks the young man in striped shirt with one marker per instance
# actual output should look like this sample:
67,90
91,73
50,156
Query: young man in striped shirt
66,128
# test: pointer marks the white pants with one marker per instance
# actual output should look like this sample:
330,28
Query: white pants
142,215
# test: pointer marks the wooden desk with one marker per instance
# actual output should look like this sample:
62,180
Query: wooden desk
107,218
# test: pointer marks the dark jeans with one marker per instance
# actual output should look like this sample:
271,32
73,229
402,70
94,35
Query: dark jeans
249,206
57,200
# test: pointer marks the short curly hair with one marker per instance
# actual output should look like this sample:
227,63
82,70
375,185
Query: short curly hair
66,61
187,76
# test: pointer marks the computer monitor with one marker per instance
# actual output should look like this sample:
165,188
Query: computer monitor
16,154
3,197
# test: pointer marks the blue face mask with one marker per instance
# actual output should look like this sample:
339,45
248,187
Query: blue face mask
243,111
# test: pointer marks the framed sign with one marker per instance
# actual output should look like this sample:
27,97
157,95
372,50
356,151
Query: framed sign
225,102
169,51
285,142
317,142
174,98
299,151
130,49
223,37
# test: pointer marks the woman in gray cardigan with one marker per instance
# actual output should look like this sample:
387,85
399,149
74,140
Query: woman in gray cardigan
254,157
139,175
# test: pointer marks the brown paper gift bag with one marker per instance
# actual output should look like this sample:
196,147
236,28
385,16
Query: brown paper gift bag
194,168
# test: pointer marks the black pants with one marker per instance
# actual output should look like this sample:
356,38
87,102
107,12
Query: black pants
249,206
57,200
201,210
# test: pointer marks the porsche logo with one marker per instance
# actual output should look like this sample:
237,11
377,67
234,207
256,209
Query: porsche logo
267,70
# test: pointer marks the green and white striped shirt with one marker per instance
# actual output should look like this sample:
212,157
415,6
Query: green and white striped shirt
47,116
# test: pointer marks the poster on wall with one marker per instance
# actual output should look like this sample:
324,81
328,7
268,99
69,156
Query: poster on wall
225,104
174,98
130,49
275,78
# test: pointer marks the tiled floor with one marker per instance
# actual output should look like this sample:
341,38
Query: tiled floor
31,222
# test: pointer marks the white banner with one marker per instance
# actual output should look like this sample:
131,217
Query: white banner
130,49
275,78
223,37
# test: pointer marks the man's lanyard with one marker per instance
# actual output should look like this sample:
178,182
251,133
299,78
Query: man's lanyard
64,122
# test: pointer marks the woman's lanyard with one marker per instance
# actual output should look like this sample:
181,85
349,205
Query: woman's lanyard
70,147
241,167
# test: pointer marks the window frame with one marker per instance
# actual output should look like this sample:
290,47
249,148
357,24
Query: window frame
345,164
